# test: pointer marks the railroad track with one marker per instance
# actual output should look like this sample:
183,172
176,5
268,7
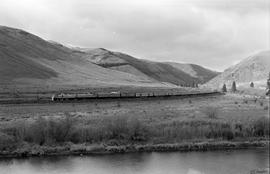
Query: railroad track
69,98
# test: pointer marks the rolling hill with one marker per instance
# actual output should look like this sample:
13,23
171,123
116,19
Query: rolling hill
202,74
252,69
170,72
28,61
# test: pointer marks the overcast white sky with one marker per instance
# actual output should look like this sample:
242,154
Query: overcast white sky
212,33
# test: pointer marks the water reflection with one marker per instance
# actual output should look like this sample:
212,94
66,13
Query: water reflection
221,162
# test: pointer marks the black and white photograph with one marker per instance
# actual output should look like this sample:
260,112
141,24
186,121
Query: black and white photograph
134,86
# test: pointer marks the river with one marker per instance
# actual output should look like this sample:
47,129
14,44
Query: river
212,162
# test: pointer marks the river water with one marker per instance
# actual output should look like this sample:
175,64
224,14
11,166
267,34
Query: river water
215,162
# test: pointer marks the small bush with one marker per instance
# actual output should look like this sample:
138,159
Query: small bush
49,130
261,127
60,131
118,104
6,141
17,130
137,131
227,134
36,132
211,112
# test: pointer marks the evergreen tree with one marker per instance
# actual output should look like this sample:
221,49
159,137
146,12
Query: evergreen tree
268,82
268,85
234,87
193,84
224,88
252,85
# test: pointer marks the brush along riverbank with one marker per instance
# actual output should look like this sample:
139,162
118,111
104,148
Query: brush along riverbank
31,150
134,126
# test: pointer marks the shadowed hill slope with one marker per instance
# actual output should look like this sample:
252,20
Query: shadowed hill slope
159,71
196,71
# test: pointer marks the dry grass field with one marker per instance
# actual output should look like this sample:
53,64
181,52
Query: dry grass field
29,128
231,107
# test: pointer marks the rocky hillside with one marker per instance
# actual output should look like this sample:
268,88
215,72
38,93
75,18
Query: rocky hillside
175,73
252,69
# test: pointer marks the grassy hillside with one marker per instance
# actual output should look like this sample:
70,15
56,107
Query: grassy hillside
202,74
158,71
29,61
252,69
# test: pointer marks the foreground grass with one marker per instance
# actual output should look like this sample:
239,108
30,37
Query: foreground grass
104,134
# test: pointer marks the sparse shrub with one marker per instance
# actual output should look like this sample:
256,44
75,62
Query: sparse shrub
37,131
227,134
236,102
261,103
265,108
49,130
238,130
261,127
115,127
60,131
87,133
245,101
20,131
17,131
118,104
189,101
6,141
113,142
211,112
137,130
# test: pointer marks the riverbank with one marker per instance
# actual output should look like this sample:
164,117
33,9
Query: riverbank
31,150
